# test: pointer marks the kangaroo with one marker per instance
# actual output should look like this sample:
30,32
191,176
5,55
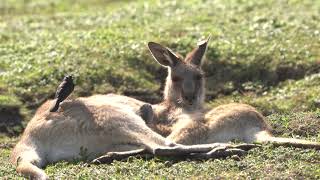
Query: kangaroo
181,117
94,126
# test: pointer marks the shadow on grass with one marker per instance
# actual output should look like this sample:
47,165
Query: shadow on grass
11,121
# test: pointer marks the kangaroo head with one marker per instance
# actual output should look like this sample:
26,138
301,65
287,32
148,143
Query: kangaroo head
185,81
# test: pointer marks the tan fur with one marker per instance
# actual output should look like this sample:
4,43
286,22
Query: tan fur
191,124
186,123
108,123
90,127
95,125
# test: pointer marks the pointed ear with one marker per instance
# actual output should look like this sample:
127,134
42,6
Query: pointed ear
163,55
196,55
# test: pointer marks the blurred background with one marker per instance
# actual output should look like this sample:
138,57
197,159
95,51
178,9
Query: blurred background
262,52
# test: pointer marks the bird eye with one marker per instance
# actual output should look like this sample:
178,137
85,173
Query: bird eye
176,79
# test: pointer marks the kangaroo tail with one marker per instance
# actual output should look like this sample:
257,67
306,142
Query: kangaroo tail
27,162
266,137
55,106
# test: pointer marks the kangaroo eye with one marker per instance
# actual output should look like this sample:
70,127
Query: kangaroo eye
176,78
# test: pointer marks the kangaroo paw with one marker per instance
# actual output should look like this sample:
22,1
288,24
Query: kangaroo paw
146,113
105,159
111,156
220,152
225,152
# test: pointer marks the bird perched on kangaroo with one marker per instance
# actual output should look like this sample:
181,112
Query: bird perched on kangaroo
110,123
100,125
63,91
182,118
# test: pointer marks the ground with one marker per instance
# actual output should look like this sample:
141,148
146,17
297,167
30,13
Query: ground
264,53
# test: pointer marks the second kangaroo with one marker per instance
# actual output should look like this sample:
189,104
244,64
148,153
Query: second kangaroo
181,116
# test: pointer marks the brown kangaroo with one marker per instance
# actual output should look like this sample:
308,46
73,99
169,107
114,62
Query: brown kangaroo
181,116
91,127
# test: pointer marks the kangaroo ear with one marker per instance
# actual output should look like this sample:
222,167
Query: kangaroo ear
163,55
196,55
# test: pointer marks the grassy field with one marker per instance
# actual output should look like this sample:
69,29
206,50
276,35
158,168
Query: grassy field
265,53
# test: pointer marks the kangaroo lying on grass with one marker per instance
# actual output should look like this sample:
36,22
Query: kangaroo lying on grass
185,92
96,125
181,116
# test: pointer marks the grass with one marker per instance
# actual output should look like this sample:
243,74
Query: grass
291,95
268,163
265,53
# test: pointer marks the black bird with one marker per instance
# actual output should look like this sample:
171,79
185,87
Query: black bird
63,91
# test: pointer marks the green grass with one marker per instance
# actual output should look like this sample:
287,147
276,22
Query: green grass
269,42
265,53
268,162
288,96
